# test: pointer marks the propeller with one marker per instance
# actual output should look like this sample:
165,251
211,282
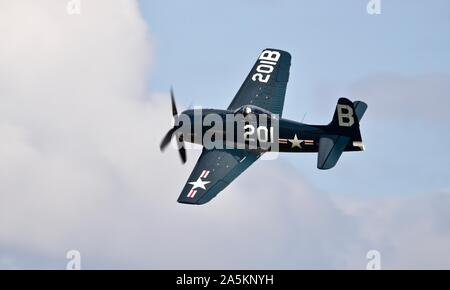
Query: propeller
178,137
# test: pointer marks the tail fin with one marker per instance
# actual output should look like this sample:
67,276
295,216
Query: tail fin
345,120
344,130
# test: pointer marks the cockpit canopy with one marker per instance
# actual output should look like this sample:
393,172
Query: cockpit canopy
250,109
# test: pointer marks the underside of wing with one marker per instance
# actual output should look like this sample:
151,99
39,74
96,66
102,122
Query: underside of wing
265,86
215,170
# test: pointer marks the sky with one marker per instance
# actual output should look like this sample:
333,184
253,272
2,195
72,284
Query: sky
84,104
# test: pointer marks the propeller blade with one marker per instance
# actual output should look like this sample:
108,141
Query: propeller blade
182,152
181,149
174,106
166,140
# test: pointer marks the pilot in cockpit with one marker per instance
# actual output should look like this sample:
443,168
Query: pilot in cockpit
244,110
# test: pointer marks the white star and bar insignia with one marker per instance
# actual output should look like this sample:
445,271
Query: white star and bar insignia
296,142
199,183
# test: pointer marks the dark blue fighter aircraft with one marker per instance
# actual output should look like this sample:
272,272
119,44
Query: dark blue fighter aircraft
262,94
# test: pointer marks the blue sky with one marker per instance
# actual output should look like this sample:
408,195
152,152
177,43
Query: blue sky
336,42
206,48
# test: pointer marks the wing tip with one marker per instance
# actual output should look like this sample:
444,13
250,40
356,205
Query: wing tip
184,201
279,50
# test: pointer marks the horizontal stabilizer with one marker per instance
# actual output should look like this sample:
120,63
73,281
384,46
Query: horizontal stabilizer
360,109
330,149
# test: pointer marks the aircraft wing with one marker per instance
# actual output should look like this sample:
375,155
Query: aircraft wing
265,86
215,169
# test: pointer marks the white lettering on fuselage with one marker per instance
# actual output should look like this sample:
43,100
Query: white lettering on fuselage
263,134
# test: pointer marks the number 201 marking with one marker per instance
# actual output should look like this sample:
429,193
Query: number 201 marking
263,134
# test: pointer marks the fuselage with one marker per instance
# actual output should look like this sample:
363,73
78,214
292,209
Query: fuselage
256,129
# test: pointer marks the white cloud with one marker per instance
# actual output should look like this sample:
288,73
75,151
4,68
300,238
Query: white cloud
81,168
